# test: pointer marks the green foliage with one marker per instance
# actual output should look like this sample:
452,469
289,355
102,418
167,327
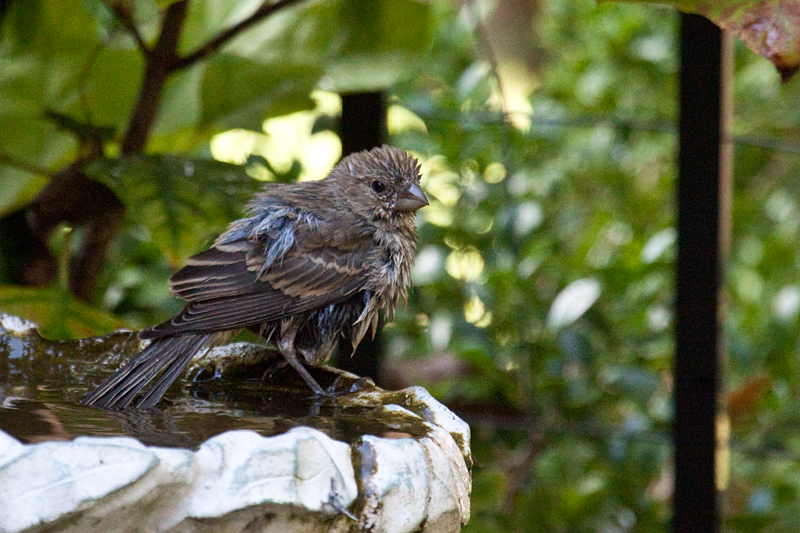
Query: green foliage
236,94
373,42
90,70
563,234
584,199
181,201
56,312
45,68
71,75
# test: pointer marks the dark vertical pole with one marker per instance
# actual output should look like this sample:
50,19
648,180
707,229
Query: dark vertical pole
363,122
361,127
703,228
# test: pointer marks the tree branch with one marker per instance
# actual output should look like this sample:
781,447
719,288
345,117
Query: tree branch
123,13
161,61
223,37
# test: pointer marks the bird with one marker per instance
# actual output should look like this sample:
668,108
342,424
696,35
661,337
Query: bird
310,262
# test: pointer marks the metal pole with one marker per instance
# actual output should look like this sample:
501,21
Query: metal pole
704,191
361,127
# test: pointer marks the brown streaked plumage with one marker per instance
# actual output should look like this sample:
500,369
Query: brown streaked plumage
313,261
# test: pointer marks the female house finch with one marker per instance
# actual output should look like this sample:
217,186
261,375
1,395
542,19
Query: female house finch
314,260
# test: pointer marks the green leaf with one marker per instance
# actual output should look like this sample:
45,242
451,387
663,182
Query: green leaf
358,45
301,34
21,84
241,93
180,108
110,86
183,202
49,28
17,188
43,48
206,18
572,302
163,4
385,42
56,312
84,131
28,141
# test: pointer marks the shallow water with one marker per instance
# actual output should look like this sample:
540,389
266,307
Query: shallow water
41,382
185,423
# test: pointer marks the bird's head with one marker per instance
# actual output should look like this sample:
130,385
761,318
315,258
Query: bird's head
382,184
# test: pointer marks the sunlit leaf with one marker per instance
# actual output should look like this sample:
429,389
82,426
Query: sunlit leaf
572,302
56,312
658,245
18,188
786,304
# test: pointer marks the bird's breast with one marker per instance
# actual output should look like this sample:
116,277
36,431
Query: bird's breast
393,273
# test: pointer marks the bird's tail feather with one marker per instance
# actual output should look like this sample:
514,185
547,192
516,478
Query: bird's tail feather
169,354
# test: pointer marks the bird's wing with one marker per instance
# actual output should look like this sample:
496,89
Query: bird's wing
226,288
218,272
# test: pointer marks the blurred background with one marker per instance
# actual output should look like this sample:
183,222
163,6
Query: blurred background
133,132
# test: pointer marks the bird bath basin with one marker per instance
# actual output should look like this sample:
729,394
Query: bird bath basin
239,445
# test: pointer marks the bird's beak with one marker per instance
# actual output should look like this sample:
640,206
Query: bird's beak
411,199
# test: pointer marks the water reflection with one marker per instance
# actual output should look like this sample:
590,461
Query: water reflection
41,382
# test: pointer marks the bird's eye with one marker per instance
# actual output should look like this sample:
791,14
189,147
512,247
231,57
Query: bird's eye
378,186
